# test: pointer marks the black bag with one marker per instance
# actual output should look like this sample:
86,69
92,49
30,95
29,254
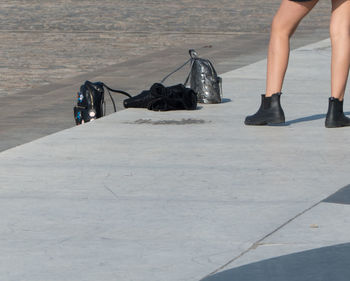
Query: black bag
161,98
202,78
91,102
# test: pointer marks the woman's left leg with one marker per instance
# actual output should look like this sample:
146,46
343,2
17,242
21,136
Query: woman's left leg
340,37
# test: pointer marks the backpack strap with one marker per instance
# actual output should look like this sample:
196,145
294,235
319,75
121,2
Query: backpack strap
193,55
109,90
176,70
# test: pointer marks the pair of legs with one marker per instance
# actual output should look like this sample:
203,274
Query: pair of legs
283,26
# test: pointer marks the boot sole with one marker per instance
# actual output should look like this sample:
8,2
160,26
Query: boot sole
330,126
264,123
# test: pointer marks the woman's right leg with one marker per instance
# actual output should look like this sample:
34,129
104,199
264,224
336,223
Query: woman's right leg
283,26
340,38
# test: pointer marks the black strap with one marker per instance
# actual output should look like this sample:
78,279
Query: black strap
176,70
117,91
109,90
190,73
193,55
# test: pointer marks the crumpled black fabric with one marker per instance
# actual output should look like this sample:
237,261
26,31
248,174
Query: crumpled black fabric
161,98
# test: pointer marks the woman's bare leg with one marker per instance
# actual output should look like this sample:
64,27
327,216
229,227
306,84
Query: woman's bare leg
283,26
340,38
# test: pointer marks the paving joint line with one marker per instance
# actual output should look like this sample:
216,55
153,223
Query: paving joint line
256,244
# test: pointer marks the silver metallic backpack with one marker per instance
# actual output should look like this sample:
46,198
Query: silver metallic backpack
202,79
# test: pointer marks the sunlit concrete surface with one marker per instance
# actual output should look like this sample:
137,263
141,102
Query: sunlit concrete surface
153,196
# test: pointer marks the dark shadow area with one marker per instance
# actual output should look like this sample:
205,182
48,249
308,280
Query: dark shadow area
340,197
322,264
225,100
308,118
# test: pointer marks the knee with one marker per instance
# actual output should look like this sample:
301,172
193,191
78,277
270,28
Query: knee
339,30
279,28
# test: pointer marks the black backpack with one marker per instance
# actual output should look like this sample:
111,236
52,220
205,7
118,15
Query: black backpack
91,102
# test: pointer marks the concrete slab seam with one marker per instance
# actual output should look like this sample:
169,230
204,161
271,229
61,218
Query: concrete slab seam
258,243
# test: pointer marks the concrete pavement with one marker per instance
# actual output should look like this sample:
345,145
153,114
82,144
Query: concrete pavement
188,195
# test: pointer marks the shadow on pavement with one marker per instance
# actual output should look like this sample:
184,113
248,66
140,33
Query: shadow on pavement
327,263
340,197
308,118
305,119
225,100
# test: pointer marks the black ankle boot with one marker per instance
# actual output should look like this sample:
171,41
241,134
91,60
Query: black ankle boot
335,115
270,112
